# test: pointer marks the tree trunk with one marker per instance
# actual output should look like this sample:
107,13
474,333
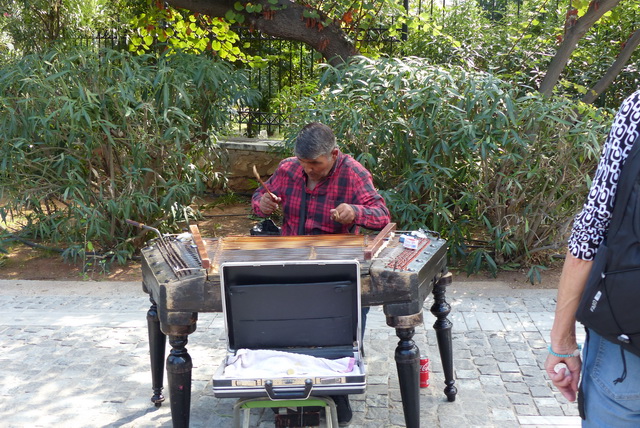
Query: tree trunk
614,70
287,22
574,31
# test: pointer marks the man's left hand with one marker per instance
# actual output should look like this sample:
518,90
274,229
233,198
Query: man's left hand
343,214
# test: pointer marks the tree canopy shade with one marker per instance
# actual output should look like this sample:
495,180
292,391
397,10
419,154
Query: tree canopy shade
283,19
333,28
328,28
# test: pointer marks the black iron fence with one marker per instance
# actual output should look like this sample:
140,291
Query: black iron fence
287,64
102,39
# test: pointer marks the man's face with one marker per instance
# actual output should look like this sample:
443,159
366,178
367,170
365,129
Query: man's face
319,168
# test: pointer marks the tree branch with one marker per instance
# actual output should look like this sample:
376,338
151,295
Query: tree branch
286,21
574,32
614,70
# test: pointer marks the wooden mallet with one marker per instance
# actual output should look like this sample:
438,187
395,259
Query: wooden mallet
255,172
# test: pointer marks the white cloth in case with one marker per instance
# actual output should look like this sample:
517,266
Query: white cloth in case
264,363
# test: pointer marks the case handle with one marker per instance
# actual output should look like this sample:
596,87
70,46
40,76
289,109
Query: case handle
289,395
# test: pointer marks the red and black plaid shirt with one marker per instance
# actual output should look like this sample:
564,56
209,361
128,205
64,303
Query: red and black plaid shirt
348,182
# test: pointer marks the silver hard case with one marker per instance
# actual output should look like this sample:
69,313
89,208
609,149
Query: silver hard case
308,307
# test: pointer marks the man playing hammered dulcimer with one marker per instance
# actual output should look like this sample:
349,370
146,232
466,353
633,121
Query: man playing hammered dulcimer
321,190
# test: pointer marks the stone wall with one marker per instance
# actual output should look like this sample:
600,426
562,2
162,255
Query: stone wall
242,154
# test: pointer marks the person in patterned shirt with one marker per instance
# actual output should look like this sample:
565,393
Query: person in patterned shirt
321,190
602,402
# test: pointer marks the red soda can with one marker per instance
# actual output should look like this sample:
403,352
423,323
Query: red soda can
424,372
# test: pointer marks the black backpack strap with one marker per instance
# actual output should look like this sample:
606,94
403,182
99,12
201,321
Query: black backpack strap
628,177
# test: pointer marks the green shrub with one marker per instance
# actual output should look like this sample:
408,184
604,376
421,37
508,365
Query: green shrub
498,174
92,139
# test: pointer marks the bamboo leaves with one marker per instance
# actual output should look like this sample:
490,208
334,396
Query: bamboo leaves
496,171
90,139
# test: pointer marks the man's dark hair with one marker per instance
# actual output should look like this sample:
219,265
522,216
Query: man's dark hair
315,139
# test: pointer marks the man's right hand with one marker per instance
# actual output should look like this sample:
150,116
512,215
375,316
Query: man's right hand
268,205
565,377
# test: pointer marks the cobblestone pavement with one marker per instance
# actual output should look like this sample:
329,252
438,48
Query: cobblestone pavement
73,359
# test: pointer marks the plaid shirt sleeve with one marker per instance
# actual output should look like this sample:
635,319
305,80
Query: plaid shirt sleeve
287,180
370,208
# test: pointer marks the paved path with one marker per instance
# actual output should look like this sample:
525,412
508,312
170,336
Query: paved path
72,357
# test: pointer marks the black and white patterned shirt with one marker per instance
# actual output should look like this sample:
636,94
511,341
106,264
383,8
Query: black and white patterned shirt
590,225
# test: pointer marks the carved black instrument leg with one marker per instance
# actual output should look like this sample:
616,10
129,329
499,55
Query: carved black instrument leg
157,346
179,368
442,326
407,358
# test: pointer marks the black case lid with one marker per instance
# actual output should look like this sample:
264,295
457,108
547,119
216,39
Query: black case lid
295,304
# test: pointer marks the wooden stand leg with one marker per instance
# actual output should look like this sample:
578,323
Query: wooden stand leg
179,368
440,309
157,346
407,358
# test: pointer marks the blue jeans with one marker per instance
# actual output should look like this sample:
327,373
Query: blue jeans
607,404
